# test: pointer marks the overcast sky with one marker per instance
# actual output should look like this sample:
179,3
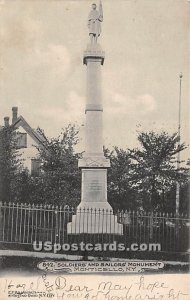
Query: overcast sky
146,45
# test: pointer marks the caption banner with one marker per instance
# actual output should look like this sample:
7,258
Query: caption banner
96,267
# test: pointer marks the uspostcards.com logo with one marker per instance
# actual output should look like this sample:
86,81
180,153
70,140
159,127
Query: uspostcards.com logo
115,246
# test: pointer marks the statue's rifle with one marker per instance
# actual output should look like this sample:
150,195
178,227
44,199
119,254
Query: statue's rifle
101,11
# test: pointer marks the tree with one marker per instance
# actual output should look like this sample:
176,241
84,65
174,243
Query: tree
59,182
155,167
22,186
121,191
10,164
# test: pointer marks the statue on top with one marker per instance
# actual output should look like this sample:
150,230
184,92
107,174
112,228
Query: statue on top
94,22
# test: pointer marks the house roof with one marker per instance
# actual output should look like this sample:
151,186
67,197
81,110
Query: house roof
20,121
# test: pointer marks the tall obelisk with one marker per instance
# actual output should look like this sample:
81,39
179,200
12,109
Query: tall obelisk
94,164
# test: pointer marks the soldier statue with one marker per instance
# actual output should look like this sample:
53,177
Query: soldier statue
94,22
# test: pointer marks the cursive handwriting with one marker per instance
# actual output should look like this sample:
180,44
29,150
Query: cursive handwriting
61,284
152,286
21,286
63,287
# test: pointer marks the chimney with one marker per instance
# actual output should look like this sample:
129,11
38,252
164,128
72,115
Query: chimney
6,121
14,114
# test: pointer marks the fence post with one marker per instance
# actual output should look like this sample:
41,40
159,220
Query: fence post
177,228
151,225
1,221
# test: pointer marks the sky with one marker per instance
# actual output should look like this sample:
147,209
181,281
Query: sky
146,44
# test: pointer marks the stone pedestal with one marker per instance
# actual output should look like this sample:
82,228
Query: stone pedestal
94,221
94,214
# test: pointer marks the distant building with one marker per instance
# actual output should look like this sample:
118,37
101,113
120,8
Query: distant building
26,139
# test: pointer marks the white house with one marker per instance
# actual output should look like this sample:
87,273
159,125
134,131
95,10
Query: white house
26,140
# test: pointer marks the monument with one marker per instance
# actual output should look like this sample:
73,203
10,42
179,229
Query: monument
94,213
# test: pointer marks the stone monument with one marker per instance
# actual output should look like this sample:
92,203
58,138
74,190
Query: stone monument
94,213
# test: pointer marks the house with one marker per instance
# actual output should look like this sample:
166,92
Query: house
26,139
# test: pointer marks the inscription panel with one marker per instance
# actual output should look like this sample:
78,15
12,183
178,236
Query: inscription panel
94,184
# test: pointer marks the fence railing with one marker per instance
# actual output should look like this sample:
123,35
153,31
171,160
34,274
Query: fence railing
25,223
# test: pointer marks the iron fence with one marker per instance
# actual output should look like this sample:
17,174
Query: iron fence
24,223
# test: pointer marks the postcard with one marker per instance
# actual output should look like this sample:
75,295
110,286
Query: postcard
94,149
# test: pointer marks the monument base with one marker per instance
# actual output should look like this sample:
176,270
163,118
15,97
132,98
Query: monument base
94,218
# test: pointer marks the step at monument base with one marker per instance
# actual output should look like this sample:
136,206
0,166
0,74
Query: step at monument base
90,220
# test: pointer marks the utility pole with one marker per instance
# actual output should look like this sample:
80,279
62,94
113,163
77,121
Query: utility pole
178,154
